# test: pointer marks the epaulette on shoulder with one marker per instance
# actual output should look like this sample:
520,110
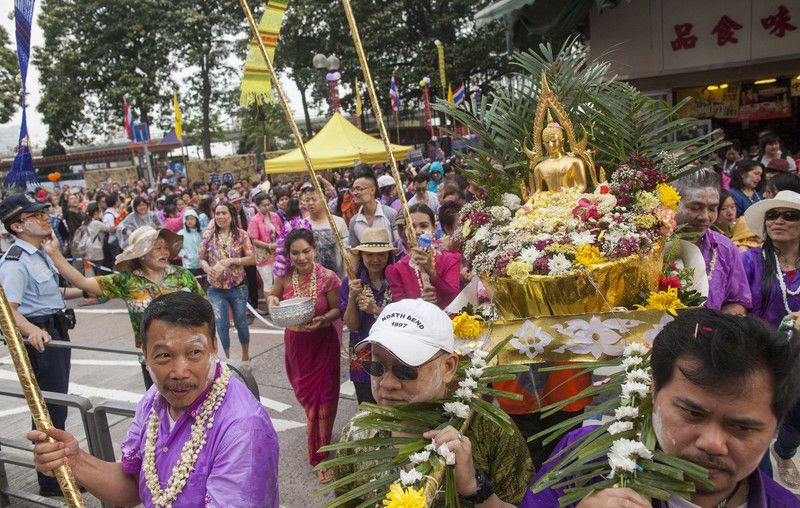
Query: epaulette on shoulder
14,253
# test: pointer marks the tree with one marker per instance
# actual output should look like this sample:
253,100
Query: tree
260,121
399,37
9,88
204,34
95,54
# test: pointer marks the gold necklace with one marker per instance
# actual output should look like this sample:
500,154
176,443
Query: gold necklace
191,448
312,285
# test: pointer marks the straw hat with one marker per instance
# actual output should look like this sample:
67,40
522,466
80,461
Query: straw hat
374,240
142,241
755,214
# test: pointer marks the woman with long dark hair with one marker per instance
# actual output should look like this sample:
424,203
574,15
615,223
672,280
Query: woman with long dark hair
224,252
362,299
747,183
773,271
312,350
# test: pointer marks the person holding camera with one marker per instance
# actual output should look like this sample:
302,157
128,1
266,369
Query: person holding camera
30,281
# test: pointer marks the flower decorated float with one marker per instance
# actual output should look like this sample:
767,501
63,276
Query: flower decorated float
569,266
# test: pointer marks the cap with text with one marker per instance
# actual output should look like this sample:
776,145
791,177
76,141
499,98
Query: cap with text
413,331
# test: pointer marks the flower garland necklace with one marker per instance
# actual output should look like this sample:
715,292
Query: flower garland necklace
191,448
785,292
312,286
712,264
387,294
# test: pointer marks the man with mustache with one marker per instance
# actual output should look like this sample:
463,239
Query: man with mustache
728,289
721,385
198,438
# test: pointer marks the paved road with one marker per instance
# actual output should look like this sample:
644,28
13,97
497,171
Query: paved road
101,376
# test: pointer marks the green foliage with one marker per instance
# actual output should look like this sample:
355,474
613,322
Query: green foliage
620,121
399,37
9,88
258,121
97,52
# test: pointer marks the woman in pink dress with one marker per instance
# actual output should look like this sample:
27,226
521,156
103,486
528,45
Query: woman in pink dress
425,273
312,350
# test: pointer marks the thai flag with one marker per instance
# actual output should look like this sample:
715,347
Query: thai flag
128,120
394,95
459,95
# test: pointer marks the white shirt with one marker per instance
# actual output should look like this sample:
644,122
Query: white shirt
432,201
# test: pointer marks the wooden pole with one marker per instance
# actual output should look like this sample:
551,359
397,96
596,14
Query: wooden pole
33,396
298,137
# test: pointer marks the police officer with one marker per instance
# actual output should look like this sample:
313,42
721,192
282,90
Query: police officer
30,281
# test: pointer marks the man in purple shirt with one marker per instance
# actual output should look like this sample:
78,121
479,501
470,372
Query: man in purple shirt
721,385
195,418
728,289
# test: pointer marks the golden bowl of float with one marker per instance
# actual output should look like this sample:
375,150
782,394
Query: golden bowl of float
605,286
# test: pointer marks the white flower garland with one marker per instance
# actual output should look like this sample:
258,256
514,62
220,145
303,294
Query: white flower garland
785,292
191,448
624,452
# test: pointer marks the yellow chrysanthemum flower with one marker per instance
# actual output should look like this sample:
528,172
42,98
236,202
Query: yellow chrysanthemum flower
560,248
588,255
668,195
398,497
646,221
664,300
519,271
467,327
647,200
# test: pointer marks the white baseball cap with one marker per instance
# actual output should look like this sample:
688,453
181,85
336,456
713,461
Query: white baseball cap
413,331
385,181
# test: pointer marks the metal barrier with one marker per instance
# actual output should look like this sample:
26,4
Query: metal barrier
80,403
94,419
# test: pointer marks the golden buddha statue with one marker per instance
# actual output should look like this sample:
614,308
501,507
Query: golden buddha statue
558,169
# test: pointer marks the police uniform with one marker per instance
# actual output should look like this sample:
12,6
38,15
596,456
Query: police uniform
30,279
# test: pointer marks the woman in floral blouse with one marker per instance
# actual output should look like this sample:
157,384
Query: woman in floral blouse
224,252
312,350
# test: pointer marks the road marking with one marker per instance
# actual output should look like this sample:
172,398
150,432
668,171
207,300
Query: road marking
274,404
347,388
14,411
281,425
101,311
6,360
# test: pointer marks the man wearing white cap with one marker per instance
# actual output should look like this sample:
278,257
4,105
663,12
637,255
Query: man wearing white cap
413,360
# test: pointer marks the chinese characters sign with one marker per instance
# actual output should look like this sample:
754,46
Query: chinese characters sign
726,28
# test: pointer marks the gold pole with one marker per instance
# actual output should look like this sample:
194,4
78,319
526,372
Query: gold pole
376,107
33,396
289,118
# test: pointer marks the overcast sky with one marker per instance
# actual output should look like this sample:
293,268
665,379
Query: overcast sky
9,132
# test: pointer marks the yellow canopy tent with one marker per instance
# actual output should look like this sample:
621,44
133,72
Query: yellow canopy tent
339,144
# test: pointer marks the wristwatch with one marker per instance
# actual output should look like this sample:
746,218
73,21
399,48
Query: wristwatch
485,488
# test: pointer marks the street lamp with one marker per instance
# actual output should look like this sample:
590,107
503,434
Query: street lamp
331,64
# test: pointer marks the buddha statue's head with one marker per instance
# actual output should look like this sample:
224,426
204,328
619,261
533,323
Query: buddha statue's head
553,138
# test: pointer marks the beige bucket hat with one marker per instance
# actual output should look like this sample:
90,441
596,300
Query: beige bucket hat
142,241
374,240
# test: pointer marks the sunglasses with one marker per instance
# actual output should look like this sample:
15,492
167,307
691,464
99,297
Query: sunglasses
787,215
401,371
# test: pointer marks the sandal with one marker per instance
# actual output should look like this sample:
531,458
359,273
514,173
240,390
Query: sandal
787,471
325,476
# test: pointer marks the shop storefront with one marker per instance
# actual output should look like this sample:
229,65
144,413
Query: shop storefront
738,59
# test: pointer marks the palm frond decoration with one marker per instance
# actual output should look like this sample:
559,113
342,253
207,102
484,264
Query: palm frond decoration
621,121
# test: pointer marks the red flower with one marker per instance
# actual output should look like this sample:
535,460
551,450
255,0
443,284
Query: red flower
665,283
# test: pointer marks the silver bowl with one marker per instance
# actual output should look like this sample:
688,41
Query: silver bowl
292,312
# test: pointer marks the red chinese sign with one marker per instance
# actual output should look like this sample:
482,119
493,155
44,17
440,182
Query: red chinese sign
725,31
778,24
685,39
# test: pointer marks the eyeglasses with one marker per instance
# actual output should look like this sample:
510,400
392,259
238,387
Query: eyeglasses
360,189
401,371
787,215
41,214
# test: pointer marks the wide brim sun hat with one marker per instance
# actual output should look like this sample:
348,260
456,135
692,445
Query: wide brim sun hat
142,241
754,215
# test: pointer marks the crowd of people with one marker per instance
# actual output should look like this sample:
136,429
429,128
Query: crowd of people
185,257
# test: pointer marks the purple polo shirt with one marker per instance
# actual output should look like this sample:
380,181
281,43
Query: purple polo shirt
728,282
238,466
771,308
764,492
